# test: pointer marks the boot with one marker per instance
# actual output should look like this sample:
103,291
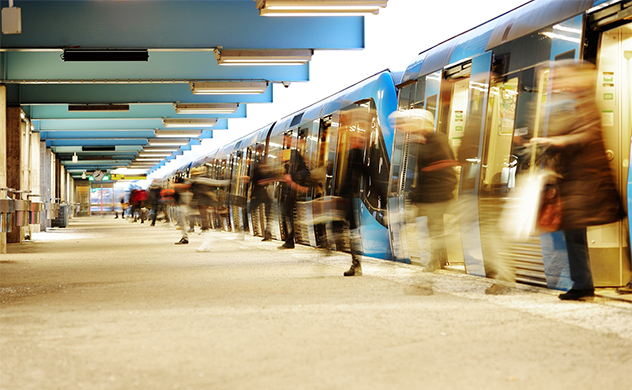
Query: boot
356,268
267,237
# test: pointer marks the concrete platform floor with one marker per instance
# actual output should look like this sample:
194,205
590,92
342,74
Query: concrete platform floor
108,304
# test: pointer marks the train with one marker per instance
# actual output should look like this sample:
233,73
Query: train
480,87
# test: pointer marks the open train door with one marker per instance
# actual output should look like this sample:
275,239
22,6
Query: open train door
608,43
469,154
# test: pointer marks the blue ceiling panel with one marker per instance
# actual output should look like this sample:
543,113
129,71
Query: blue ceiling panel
121,93
175,24
162,65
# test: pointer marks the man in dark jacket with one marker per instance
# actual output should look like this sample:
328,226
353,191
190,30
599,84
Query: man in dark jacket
296,173
258,189
432,195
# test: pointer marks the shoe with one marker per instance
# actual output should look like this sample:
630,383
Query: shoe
577,295
204,248
191,231
153,224
286,246
497,289
267,237
627,289
182,241
179,228
356,268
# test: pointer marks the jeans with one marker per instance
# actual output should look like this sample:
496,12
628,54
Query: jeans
579,262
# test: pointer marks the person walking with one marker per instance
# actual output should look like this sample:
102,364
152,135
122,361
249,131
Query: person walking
296,173
432,195
181,201
586,184
259,189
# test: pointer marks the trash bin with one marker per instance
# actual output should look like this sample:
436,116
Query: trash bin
62,218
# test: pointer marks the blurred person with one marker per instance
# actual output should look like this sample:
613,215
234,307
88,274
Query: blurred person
181,198
259,173
352,173
167,200
295,175
432,195
204,196
586,184
153,199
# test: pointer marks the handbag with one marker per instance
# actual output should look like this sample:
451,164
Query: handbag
550,213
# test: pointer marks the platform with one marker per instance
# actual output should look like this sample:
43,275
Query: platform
109,304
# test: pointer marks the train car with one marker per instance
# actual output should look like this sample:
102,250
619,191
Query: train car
319,133
481,87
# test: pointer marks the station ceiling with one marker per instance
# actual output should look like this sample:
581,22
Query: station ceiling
178,43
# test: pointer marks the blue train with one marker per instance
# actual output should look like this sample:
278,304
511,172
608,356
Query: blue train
480,86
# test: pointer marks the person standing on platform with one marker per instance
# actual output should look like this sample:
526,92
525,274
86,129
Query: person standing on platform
259,189
296,173
574,140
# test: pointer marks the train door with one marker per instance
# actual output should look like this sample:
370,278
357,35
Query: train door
610,43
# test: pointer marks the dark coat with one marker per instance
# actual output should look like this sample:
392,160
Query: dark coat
587,188
436,178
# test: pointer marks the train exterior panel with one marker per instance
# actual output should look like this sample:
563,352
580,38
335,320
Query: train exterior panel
484,88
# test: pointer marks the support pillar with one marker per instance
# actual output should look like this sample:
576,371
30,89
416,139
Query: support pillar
3,153
13,147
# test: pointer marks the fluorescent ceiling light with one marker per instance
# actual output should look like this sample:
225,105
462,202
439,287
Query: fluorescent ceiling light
206,108
319,7
147,154
146,159
263,57
97,107
171,142
178,134
105,55
189,122
228,87
160,149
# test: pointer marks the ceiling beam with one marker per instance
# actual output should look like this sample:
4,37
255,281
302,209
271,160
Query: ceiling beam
176,24
120,94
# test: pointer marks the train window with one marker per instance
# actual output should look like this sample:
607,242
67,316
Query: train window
501,118
418,100
433,84
404,97
360,119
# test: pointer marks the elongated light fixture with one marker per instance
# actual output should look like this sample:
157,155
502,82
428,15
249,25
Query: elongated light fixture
206,108
319,7
237,57
169,142
75,158
178,134
160,149
189,122
147,154
228,87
